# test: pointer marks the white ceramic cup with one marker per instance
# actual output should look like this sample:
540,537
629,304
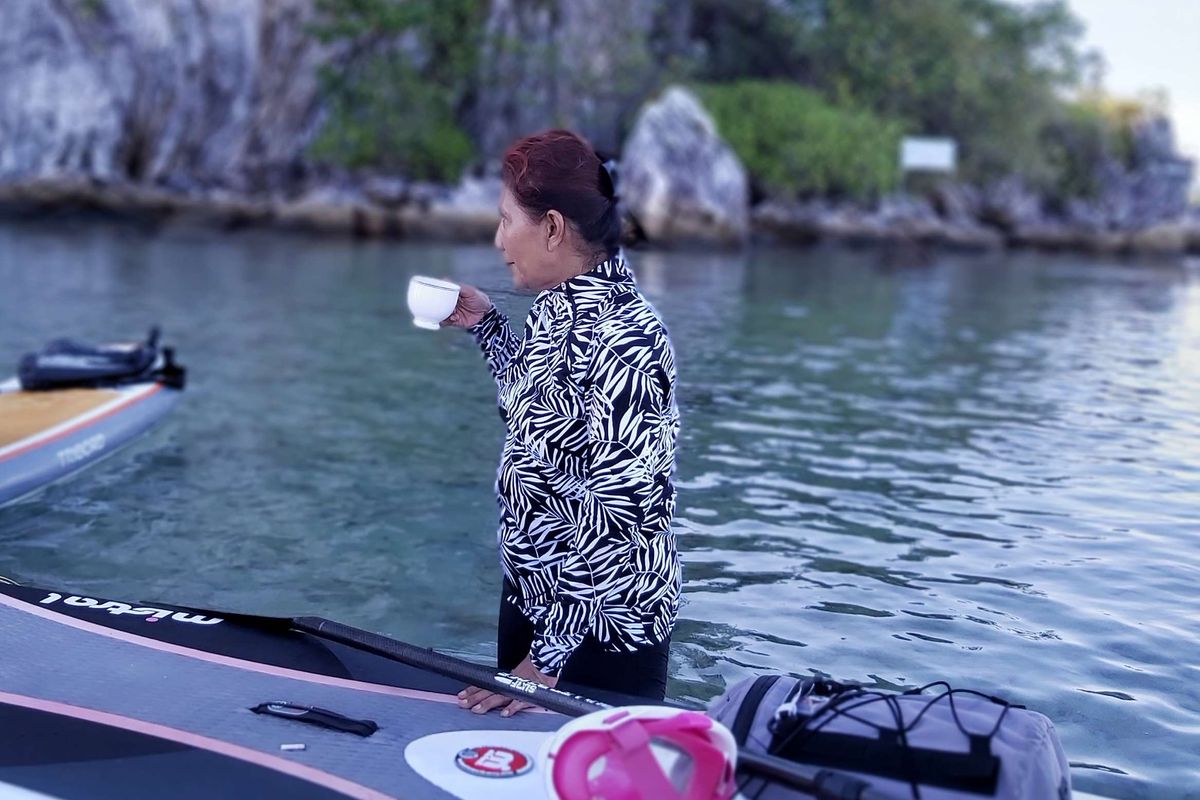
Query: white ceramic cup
431,300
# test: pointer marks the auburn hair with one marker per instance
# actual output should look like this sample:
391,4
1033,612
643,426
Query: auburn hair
557,169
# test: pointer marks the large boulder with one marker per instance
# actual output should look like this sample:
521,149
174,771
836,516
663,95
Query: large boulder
680,180
179,93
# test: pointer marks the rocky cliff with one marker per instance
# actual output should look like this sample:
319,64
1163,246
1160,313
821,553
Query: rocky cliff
206,107
180,93
584,64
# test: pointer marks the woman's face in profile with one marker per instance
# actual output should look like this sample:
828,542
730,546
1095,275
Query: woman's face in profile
523,243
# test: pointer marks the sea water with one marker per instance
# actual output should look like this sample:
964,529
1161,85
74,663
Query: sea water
894,467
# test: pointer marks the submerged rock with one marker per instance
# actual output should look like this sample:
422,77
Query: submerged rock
680,180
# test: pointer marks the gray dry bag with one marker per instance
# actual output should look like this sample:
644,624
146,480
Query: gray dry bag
934,743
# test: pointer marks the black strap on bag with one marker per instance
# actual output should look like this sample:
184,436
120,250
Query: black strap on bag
802,738
976,771
749,708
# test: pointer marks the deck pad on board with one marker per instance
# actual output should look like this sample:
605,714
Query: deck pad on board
24,414
48,436
69,752
71,661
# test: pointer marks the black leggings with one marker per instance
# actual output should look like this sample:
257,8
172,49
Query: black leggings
642,673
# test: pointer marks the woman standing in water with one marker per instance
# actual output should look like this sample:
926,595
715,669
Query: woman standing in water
587,394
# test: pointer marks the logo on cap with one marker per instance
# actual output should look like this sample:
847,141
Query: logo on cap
493,762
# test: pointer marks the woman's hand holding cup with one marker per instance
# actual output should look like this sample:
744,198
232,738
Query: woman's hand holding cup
472,305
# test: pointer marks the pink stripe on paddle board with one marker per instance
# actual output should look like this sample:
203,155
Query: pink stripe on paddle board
310,774
227,661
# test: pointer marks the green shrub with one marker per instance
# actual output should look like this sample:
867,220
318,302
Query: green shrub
986,73
382,115
793,142
401,84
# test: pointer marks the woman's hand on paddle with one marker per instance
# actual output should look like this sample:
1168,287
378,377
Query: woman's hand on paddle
472,305
481,701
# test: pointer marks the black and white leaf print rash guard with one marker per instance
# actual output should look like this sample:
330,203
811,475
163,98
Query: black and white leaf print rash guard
585,481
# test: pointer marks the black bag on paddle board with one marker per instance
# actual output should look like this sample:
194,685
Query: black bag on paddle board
66,363
934,743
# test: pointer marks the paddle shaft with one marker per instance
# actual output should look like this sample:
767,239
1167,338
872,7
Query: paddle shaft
824,784
475,674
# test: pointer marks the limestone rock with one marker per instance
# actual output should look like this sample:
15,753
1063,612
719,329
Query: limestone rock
1045,235
179,93
581,64
1010,204
386,190
1104,242
792,223
1151,190
1192,225
896,220
958,202
325,209
468,212
1167,238
680,180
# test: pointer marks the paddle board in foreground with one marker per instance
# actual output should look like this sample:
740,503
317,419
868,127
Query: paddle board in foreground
105,699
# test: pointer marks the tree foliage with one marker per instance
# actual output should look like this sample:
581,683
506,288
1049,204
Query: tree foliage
755,39
794,142
991,74
1090,131
399,84
985,72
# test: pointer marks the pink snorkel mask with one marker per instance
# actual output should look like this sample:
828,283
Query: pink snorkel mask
641,753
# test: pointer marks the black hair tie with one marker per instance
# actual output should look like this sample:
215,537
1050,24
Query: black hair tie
608,179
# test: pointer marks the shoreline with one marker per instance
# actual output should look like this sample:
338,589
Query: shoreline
383,208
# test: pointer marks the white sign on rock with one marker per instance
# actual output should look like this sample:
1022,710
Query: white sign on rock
928,154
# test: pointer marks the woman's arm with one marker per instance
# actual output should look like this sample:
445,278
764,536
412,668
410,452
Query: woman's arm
475,312
496,338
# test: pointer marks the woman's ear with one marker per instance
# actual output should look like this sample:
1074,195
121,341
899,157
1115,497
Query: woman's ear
555,228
